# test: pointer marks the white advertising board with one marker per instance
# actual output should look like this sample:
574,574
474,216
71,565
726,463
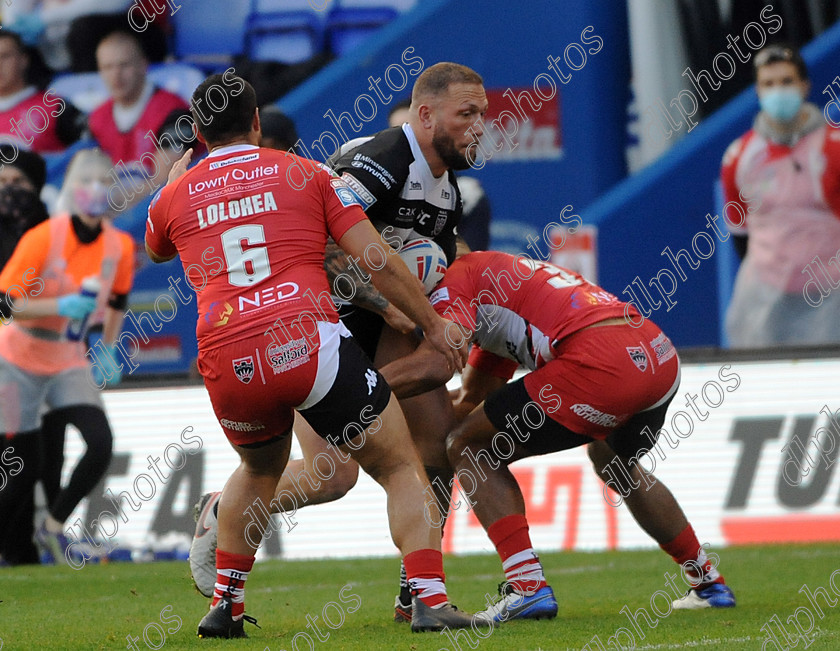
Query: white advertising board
727,459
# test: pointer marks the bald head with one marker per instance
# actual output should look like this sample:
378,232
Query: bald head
122,65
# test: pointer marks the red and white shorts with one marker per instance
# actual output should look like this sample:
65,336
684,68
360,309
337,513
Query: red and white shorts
604,382
255,385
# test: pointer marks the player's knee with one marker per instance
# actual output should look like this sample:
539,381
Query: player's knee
342,480
455,446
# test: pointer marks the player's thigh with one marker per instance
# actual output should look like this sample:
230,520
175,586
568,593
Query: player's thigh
389,448
430,419
266,457
429,415
312,446
521,417
393,345
476,433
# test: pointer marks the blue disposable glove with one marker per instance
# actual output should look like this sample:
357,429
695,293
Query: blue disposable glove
76,306
106,368
99,376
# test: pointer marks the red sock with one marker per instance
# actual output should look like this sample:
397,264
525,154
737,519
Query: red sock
231,572
685,549
424,569
521,565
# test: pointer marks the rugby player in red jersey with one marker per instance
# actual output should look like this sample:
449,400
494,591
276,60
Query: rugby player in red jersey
252,246
404,179
594,379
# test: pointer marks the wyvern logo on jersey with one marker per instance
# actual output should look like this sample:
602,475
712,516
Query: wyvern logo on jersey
638,356
245,207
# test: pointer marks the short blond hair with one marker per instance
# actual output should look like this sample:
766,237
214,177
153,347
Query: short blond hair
436,80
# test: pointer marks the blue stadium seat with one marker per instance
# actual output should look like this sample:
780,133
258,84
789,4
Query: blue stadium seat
86,90
179,78
281,6
209,33
347,27
399,5
287,37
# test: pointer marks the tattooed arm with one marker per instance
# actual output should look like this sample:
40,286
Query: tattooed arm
364,294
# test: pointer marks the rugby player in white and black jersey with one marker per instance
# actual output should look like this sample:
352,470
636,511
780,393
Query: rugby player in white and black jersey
403,179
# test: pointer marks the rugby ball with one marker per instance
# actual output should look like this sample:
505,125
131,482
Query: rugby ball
426,260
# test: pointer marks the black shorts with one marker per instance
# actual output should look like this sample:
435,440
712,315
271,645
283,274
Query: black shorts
539,434
365,325
355,400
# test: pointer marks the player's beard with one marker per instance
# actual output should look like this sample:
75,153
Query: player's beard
444,145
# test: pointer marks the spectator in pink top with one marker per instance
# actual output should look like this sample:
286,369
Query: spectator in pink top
783,175
126,124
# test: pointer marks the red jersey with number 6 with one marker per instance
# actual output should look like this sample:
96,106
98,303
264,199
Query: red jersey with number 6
251,244
519,308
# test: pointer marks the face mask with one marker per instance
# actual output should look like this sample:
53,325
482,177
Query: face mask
91,199
781,104
20,209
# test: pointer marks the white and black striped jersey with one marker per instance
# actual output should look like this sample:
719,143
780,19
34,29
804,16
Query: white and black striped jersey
395,186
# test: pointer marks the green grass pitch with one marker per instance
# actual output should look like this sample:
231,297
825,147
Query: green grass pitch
98,606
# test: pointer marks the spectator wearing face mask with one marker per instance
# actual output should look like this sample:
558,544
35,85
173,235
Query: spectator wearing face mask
20,186
783,176
20,210
43,363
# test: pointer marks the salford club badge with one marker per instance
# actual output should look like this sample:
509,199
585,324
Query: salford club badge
244,368
637,354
